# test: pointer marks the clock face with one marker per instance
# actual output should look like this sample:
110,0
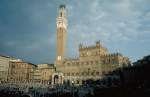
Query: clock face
59,58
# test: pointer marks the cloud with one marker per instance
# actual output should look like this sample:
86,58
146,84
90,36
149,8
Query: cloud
28,27
115,23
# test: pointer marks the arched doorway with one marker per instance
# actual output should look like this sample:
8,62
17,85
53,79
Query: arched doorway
56,78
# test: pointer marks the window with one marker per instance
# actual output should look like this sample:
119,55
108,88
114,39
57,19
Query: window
97,73
68,64
87,63
13,66
61,14
68,74
92,73
77,74
72,74
83,73
103,72
96,62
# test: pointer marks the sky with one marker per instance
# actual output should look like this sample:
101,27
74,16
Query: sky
28,27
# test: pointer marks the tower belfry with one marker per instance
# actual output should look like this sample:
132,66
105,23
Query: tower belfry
61,23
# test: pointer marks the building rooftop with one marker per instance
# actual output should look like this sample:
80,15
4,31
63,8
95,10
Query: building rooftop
45,65
5,56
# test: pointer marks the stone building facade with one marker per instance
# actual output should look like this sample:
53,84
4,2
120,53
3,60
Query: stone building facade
94,62
4,67
20,71
43,73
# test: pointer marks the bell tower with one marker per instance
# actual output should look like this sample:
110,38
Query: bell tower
61,23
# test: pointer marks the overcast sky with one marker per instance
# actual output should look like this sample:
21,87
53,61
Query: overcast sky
28,27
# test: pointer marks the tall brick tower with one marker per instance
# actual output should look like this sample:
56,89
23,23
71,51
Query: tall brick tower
61,34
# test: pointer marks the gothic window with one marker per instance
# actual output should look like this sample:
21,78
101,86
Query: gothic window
103,72
87,63
72,74
68,74
96,62
77,74
97,73
114,61
83,73
92,73
13,66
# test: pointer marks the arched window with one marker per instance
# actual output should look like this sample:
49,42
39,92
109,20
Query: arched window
97,73
68,74
61,14
77,74
103,72
72,74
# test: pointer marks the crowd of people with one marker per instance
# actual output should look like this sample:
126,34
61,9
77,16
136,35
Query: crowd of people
12,93
7,93
134,82
60,91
